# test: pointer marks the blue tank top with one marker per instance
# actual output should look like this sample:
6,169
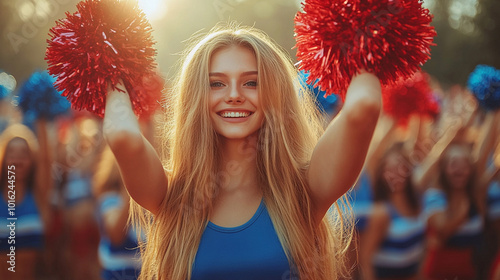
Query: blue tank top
28,226
401,251
249,251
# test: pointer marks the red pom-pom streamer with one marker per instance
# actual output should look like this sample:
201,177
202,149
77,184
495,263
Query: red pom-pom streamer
153,85
337,38
410,96
101,43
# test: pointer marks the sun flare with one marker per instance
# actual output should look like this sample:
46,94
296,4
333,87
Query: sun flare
154,9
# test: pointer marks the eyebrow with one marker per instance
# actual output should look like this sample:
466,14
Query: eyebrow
247,73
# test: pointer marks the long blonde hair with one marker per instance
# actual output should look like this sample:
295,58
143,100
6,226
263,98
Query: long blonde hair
289,133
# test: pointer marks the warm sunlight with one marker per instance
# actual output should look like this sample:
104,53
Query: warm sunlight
154,9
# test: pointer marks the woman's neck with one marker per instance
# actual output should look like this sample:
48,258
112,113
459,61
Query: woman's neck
238,169
458,194
456,197
401,204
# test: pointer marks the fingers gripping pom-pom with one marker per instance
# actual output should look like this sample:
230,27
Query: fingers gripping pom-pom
408,97
484,82
101,43
338,38
39,99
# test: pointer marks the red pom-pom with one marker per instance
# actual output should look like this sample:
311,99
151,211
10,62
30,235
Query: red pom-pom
410,96
153,87
337,38
103,42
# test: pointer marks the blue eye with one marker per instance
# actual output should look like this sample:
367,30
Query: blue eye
216,84
251,84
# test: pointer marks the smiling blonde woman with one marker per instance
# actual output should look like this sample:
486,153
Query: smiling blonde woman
251,175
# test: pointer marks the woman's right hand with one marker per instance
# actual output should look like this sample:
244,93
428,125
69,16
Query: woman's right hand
140,166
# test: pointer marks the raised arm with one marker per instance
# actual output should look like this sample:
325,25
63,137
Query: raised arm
340,153
483,150
445,223
140,167
116,220
382,139
486,145
43,176
426,171
378,224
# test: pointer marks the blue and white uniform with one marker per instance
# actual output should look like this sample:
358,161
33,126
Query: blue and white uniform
468,234
29,228
494,201
78,188
455,259
118,261
401,251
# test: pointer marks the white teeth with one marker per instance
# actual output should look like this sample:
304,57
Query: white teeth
235,114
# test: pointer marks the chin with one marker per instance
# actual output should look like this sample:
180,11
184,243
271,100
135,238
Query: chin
235,135
459,185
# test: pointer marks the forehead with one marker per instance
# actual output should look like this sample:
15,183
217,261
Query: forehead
458,152
17,144
394,158
233,59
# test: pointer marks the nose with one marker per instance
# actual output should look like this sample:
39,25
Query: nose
234,96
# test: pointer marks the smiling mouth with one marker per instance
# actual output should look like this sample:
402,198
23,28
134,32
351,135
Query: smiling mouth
234,114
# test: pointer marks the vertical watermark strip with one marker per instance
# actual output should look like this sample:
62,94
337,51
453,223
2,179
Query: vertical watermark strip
11,219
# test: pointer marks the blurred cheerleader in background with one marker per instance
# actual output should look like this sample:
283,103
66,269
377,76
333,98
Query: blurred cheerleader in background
394,244
80,147
455,204
118,247
29,162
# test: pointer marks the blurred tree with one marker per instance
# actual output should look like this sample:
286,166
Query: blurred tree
488,23
24,26
467,36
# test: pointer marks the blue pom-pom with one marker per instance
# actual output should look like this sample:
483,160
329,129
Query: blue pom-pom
326,104
39,99
3,92
484,83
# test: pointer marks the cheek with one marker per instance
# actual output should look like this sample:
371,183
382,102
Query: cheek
461,167
254,99
467,170
27,162
22,164
211,101
214,99
11,160
449,172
